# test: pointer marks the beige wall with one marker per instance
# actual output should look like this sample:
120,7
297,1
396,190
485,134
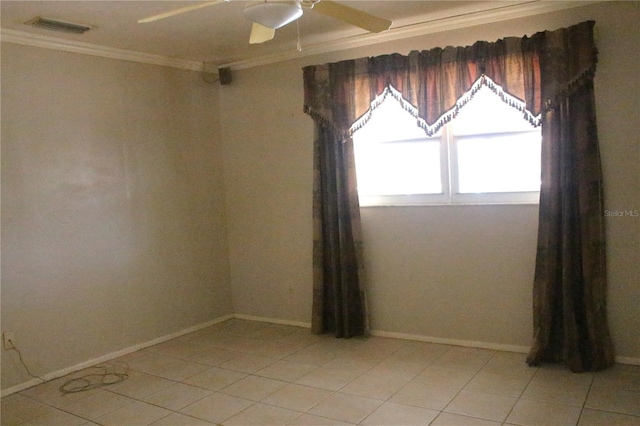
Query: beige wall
113,219
268,190
462,273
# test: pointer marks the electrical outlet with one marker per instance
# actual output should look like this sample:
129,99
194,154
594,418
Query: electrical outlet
8,339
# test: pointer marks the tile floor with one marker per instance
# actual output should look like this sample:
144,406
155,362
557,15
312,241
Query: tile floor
251,373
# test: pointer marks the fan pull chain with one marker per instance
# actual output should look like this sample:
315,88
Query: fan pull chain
299,45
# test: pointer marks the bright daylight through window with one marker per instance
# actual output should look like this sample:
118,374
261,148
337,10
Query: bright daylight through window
488,154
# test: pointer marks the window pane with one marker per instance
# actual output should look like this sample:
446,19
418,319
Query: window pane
500,163
389,122
394,156
487,113
395,168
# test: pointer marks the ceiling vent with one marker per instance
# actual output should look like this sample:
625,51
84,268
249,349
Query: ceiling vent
55,25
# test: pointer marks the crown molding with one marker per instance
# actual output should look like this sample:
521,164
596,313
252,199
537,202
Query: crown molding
499,13
53,43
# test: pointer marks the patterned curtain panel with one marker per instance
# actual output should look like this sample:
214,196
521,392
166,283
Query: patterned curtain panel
569,295
551,75
339,301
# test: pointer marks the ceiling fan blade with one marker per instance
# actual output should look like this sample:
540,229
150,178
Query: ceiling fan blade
352,16
179,11
260,34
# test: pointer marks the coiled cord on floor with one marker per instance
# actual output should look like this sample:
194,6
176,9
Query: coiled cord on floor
106,375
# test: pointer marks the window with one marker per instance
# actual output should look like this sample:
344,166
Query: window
488,154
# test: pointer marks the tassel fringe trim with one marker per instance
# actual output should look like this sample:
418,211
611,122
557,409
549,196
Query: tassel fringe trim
449,115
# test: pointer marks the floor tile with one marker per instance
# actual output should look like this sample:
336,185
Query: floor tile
211,356
441,376
312,420
392,414
591,417
346,408
397,369
509,364
177,396
215,378
253,387
134,414
419,352
176,349
217,407
208,338
243,345
448,419
297,397
559,373
351,364
285,370
557,389
166,367
619,376
52,386
177,419
481,405
377,387
328,379
98,404
303,339
381,347
139,385
278,349
534,413
54,418
262,415
425,395
55,397
498,384
247,363
18,409
315,355
614,400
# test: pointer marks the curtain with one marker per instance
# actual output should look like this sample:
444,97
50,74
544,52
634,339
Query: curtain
339,301
433,84
569,295
549,77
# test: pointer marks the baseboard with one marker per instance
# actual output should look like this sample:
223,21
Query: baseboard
627,360
403,336
453,342
112,355
480,345
273,320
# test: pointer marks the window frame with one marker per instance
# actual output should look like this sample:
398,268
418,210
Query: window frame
450,194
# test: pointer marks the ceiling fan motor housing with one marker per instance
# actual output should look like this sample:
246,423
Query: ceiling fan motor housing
273,15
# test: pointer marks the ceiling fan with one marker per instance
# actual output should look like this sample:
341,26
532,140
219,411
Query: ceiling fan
267,16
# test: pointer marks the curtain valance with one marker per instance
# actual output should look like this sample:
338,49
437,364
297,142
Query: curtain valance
534,71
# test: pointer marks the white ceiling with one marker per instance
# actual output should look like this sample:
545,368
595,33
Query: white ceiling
218,35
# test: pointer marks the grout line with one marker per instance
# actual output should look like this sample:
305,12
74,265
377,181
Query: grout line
582,408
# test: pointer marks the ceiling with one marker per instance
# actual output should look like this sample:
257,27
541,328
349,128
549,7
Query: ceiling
219,34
